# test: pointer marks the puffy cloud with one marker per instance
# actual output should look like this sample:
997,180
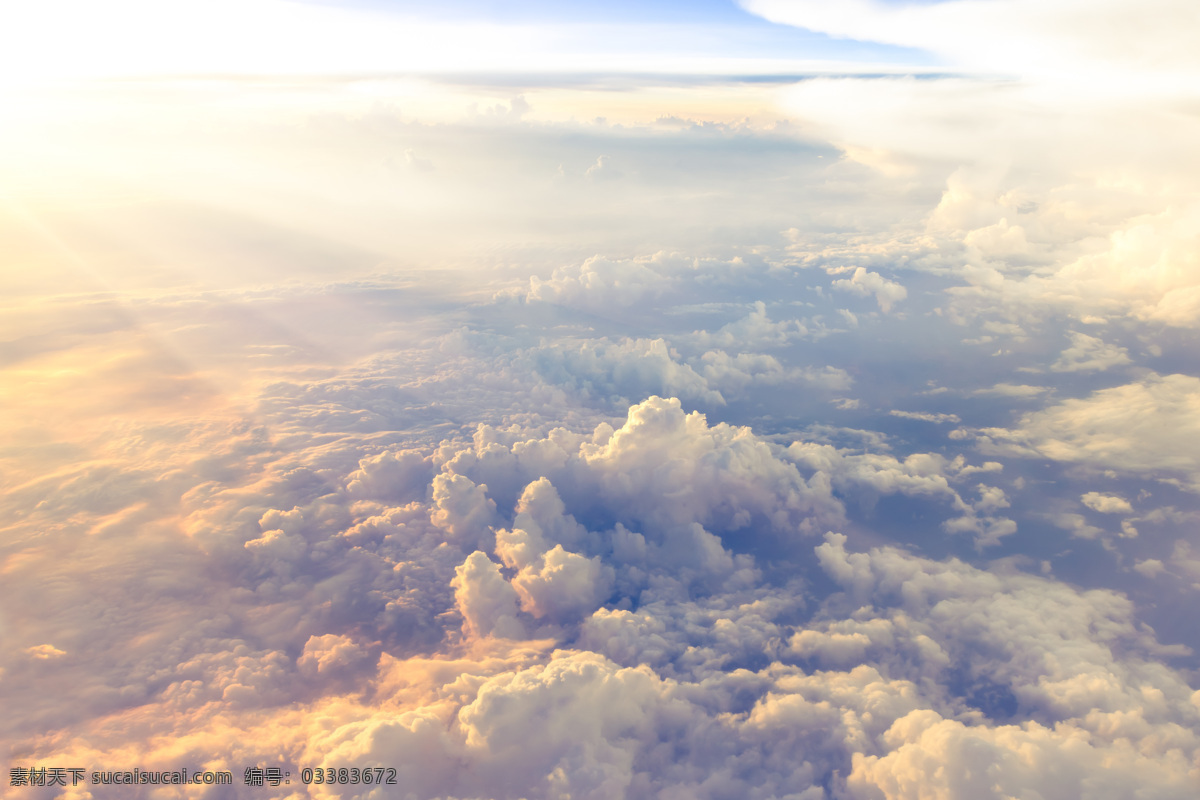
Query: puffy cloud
864,283
755,330
391,476
553,583
662,470
280,522
664,467
1145,272
1106,503
1027,617
462,509
737,685
601,284
561,586
940,758
487,602
331,654
869,475
622,371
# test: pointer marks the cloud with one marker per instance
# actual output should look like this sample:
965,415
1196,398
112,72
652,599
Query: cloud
618,372
735,374
755,330
662,470
863,283
1063,38
1148,426
1013,390
1106,503
867,476
1077,524
601,284
1087,354
997,762
602,170
540,515
926,416
487,602
391,476
621,639
44,652
1150,567
331,654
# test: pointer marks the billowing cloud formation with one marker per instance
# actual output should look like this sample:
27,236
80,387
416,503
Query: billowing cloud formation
833,439
532,613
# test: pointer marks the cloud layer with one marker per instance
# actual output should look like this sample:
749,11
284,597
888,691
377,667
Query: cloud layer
822,436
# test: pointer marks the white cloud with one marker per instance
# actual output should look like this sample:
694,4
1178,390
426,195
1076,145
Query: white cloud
1088,353
1106,503
1077,524
735,374
934,757
600,284
1150,567
926,416
755,330
1149,426
447,520
864,283
1014,390
487,602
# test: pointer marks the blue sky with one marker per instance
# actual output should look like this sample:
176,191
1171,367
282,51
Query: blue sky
721,12
741,33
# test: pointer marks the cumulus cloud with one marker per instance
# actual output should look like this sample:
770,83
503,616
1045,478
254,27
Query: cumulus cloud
579,721
662,470
868,476
601,284
623,371
864,283
755,330
1107,503
546,522
487,602
576,655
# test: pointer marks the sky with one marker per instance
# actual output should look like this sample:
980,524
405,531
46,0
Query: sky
771,400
